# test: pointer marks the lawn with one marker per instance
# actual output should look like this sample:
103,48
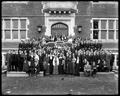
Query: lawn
60,84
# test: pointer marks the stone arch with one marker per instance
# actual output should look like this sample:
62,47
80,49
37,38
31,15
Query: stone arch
59,29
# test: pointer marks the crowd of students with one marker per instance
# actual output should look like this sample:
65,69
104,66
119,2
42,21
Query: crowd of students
32,57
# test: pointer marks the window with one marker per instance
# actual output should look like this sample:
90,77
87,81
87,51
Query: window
104,2
15,2
14,28
105,29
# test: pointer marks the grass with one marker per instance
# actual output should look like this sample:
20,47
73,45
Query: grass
60,84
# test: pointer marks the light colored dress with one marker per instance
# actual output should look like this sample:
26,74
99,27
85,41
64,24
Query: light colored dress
55,64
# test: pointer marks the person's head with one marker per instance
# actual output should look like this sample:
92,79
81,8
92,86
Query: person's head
85,60
98,60
93,63
25,52
16,52
77,57
13,51
94,53
46,55
21,52
73,55
9,51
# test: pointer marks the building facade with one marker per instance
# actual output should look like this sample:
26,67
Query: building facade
96,20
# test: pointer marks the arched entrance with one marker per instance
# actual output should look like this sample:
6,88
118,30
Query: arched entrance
59,29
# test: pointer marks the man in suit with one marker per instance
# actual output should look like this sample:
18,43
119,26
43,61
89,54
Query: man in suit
13,57
51,64
16,60
77,66
20,45
87,69
111,61
45,64
8,60
93,69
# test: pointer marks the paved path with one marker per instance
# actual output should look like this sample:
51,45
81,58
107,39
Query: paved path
60,84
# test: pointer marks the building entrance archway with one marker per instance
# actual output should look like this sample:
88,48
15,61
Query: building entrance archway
59,29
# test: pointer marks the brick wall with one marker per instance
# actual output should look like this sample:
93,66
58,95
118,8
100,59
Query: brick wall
86,11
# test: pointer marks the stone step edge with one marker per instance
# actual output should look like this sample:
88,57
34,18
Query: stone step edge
41,72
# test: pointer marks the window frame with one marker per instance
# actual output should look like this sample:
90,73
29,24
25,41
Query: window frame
15,2
11,29
107,25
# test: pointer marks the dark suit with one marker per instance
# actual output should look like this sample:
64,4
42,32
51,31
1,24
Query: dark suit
111,61
51,65
8,61
77,66
16,61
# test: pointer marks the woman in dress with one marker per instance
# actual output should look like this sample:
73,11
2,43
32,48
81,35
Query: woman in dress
73,64
55,64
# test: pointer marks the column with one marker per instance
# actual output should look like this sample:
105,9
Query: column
3,60
47,25
115,62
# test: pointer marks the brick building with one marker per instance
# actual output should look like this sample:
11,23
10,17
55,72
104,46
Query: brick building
96,20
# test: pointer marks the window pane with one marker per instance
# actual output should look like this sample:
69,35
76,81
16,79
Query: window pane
95,24
15,34
7,34
95,34
103,24
15,23
116,34
103,34
111,34
116,24
7,23
111,24
23,23
23,34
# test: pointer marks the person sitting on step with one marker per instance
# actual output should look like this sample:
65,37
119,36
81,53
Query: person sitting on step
87,69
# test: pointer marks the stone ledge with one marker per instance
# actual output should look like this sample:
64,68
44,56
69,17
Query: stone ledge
24,74
20,74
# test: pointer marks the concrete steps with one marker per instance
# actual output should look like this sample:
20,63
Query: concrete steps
20,74
16,74
24,74
99,73
4,71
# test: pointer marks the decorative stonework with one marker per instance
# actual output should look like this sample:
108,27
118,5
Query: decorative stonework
61,7
60,4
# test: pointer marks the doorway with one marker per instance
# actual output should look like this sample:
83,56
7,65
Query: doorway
59,29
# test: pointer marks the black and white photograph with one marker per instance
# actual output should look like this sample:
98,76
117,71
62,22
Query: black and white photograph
59,48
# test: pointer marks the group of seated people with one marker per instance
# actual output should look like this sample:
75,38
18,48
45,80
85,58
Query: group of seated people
78,42
70,60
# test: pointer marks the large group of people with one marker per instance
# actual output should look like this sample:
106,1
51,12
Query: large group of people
84,55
